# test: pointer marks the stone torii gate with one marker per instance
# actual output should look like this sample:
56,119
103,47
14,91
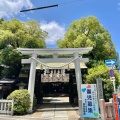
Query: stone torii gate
55,52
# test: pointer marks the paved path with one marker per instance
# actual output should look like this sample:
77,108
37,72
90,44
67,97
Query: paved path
56,111
53,108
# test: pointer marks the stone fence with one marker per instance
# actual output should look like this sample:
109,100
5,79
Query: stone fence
106,110
6,106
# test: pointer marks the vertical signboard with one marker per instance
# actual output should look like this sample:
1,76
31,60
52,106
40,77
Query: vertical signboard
99,88
115,104
89,101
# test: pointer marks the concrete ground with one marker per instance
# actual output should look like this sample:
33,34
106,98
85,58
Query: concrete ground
53,108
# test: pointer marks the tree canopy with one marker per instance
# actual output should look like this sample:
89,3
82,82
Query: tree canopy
88,32
15,34
19,34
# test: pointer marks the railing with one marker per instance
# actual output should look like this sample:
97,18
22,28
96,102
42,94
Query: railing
106,110
6,106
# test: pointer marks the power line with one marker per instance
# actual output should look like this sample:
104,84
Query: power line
55,5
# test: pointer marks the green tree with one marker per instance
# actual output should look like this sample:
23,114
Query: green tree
18,34
1,20
102,71
88,32
15,34
11,59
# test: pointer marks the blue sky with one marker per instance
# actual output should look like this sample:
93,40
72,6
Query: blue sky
56,20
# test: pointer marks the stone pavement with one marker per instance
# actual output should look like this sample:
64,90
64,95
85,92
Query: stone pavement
53,108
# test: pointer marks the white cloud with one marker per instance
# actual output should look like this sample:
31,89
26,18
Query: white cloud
118,6
11,7
55,31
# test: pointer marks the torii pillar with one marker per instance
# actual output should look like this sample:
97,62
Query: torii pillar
78,81
55,59
31,83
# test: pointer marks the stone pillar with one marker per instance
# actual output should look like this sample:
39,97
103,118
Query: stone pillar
78,81
32,80
102,109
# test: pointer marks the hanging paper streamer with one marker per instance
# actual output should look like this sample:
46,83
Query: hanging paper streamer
45,72
51,73
63,72
58,73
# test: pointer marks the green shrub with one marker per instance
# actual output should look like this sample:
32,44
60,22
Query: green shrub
21,101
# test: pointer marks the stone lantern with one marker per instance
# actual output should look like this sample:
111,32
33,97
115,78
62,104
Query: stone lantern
21,85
